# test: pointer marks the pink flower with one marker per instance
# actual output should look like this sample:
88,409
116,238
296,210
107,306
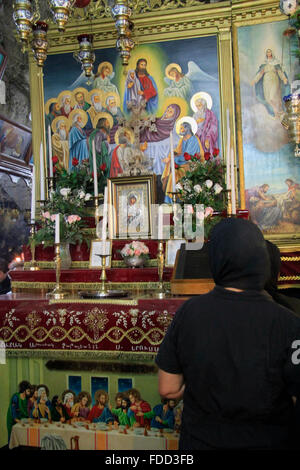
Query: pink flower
46,215
208,211
52,217
73,218
137,252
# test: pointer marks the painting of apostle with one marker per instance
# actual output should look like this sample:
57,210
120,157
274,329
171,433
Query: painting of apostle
189,143
60,140
103,78
100,138
207,122
52,110
81,97
78,147
96,98
122,153
112,106
66,102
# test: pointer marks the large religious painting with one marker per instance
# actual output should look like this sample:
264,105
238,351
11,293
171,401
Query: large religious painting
272,173
127,114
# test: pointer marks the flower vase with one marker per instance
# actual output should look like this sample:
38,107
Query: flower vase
65,256
135,261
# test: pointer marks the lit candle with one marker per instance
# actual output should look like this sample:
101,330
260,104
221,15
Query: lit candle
233,201
104,219
228,153
160,222
172,164
57,229
42,173
95,170
32,217
50,153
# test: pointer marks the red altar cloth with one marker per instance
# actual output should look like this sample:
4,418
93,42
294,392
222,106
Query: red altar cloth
70,276
31,323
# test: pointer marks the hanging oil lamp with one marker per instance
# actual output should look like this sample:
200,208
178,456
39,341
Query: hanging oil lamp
121,13
23,18
86,55
39,42
61,10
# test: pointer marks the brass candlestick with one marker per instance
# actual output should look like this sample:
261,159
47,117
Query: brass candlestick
58,293
104,291
33,264
160,267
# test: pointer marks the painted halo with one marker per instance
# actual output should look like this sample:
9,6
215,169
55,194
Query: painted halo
96,91
188,119
56,120
170,67
122,130
114,94
48,104
103,115
105,64
64,93
85,93
199,95
82,114
183,105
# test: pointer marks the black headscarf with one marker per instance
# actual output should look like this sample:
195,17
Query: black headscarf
238,255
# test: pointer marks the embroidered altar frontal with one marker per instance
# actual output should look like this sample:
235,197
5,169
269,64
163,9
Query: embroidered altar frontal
112,327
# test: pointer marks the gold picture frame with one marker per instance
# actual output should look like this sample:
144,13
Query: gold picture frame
130,200
172,247
96,261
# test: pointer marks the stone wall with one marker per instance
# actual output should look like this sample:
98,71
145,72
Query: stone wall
16,76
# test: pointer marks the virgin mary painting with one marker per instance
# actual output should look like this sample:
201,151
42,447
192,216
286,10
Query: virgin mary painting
271,84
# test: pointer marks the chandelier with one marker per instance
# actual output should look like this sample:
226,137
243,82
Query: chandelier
27,18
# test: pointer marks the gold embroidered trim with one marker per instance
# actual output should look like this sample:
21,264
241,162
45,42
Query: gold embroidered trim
289,278
131,357
94,301
151,263
76,334
88,285
290,258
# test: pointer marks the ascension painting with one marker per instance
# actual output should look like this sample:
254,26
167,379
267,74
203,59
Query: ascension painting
267,71
128,116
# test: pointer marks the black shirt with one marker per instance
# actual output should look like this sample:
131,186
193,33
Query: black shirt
5,286
234,351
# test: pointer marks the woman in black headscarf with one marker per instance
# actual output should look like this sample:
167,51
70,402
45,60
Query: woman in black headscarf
229,352
271,285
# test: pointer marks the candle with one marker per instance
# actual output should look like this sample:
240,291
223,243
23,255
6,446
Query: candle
42,173
32,217
228,186
104,219
50,153
233,201
160,222
57,229
95,170
172,164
